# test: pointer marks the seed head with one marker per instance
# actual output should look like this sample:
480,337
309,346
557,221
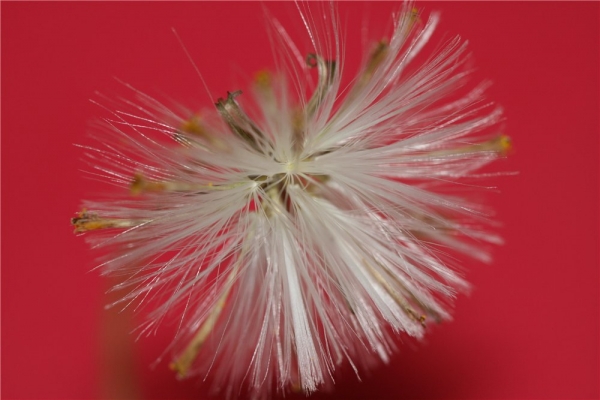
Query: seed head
304,225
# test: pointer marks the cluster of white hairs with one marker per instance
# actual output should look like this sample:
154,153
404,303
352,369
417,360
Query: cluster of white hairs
301,227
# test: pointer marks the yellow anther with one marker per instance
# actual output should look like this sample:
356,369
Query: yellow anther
377,57
379,53
137,184
193,126
296,387
262,79
500,144
85,222
185,361
182,365
414,16
140,185
504,144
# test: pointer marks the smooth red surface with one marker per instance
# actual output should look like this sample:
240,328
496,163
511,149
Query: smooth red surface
530,328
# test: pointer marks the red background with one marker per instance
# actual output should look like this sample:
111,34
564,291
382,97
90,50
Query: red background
529,329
